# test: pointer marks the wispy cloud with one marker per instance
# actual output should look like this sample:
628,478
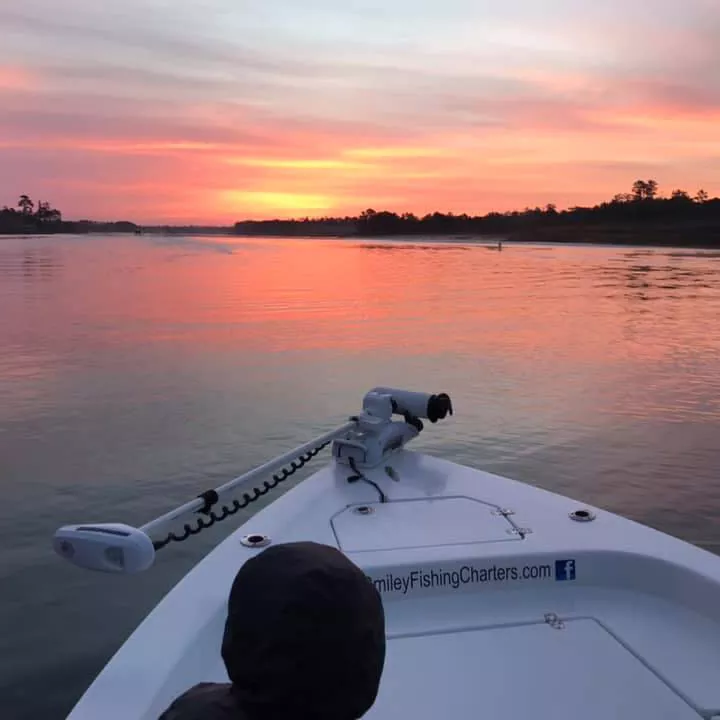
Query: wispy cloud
232,110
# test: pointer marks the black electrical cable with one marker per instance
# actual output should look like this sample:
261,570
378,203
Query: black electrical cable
210,498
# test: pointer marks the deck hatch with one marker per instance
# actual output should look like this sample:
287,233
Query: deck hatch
423,522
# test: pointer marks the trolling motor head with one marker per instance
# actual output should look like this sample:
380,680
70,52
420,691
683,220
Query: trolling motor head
108,547
377,434
417,404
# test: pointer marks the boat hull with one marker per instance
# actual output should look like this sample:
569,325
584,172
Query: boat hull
500,602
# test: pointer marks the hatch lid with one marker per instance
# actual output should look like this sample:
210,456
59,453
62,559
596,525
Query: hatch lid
421,522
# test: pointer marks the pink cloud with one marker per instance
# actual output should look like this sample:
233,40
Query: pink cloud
110,117
16,79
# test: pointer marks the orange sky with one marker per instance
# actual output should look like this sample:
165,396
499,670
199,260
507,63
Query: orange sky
212,113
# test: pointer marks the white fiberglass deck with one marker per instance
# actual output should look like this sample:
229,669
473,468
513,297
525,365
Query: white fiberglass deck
490,614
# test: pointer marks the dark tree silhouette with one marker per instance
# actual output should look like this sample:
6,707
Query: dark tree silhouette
681,196
701,197
638,217
644,189
47,214
44,219
26,205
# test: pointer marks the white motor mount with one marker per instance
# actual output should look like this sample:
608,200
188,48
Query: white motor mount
377,435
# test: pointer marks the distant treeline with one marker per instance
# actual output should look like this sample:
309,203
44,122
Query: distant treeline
639,216
27,217
188,229
327,226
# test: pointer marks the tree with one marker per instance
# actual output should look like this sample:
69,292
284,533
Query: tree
702,196
623,198
26,205
680,195
42,210
644,189
47,214
638,190
551,209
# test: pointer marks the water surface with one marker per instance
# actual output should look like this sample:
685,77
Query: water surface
136,372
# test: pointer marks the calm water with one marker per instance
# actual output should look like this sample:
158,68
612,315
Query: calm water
136,372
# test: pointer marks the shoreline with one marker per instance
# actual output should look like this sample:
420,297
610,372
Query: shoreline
563,239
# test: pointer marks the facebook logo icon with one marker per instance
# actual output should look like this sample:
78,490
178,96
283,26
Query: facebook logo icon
564,569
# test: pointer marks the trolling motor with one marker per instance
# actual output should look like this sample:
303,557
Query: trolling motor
364,441
377,434
109,547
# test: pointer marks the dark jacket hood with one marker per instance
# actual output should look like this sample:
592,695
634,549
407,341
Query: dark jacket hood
305,635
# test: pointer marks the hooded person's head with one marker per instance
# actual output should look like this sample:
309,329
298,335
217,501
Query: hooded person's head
305,635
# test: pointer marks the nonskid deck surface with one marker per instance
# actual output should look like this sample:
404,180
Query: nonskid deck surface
497,603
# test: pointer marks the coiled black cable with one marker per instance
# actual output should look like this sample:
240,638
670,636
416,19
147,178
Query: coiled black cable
359,476
210,497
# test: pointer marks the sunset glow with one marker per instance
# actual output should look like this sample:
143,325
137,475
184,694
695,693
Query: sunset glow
222,111
15,78
295,202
